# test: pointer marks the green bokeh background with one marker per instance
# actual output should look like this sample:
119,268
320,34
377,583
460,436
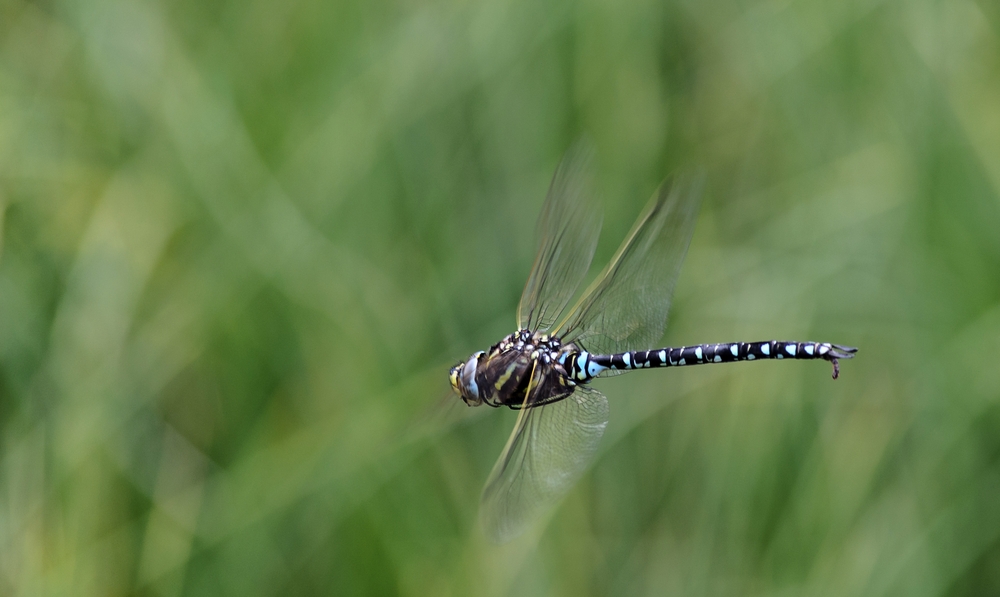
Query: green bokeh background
242,242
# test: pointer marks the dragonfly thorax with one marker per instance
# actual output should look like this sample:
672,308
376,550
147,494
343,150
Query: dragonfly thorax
521,361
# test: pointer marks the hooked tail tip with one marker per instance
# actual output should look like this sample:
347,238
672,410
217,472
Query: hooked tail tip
838,351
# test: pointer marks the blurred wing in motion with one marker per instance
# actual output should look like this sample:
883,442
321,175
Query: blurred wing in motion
547,452
568,228
626,306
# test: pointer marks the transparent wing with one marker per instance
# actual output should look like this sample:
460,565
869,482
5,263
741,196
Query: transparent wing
626,307
568,228
547,452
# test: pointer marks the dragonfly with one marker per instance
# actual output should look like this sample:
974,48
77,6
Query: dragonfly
544,369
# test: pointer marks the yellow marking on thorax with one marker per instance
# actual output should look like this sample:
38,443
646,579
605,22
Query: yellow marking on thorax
506,375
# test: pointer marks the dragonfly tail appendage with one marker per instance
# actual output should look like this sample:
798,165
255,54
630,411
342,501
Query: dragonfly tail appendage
837,352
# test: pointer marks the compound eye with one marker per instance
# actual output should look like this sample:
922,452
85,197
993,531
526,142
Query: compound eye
468,375
469,370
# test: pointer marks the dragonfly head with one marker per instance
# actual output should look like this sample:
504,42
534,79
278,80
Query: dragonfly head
463,380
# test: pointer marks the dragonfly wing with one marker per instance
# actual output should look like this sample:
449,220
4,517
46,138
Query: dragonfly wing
568,228
626,307
547,452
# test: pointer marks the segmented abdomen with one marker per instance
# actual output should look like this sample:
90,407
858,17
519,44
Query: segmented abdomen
585,366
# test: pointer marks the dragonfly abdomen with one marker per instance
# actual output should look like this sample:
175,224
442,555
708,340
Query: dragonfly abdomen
587,366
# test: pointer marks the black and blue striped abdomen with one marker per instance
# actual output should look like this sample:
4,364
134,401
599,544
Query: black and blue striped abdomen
585,366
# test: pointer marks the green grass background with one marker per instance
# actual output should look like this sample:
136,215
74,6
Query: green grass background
242,242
